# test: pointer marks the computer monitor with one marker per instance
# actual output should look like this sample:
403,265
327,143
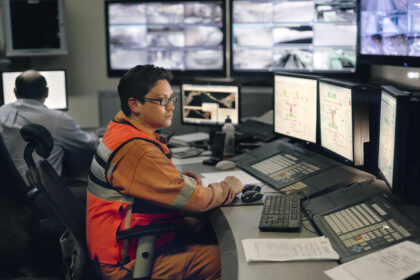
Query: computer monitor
399,145
183,36
295,106
56,83
290,35
210,104
344,120
389,32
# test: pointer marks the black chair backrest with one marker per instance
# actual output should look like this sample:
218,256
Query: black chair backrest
62,201
12,181
64,204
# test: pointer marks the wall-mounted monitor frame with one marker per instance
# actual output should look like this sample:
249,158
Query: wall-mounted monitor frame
187,37
389,34
286,40
34,28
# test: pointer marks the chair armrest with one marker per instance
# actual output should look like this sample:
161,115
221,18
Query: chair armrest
152,229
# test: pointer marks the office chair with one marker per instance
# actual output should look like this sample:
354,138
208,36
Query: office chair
23,227
68,209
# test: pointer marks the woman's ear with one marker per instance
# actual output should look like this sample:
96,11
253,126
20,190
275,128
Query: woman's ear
134,105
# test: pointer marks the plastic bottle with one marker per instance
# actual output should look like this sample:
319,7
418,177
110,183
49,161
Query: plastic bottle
229,130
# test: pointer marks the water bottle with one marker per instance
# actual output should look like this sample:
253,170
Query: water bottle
229,130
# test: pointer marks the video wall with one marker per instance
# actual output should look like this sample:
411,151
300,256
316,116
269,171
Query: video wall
390,27
294,35
180,36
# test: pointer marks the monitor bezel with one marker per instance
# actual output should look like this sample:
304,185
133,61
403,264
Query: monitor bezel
38,70
353,87
260,76
401,99
394,60
210,125
302,76
178,75
11,51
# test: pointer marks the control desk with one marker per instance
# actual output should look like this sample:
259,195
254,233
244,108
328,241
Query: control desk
235,223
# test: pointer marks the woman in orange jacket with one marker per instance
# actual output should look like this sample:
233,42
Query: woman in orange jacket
133,182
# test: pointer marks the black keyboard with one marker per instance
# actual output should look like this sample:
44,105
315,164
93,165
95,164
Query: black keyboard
285,168
364,227
261,131
281,213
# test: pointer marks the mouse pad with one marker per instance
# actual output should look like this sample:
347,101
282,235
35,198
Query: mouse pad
238,202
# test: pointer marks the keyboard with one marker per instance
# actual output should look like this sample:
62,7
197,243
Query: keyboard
285,168
281,213
366,226
261,131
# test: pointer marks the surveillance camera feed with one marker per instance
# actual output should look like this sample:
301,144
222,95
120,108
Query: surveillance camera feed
209,104
390,27
294,35
176,35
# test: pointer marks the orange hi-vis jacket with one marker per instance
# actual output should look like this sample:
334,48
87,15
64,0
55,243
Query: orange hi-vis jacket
133,182
114,207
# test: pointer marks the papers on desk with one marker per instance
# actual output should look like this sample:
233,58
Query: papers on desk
213,177
395,262
186,139
191,160
281,250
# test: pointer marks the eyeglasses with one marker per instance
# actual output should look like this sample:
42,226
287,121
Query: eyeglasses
162,101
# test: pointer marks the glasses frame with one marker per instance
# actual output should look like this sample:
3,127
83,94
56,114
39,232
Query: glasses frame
172,99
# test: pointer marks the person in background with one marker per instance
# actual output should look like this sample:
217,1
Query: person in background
31,91
133,182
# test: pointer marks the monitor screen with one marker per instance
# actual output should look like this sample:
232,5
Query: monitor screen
56,83
294,35
390,28
336,120
180,36
209,104
388,119
295,106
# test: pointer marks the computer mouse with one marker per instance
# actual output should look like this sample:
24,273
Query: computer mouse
225,165
251,196
251,187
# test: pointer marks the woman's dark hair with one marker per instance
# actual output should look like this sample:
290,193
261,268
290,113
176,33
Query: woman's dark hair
138,81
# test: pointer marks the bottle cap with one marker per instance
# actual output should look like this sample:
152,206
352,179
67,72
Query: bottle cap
228,120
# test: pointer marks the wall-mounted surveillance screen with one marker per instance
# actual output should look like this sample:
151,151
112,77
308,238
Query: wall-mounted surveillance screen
178,35
390,28
294,35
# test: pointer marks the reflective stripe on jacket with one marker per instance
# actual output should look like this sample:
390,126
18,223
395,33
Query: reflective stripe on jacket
109,210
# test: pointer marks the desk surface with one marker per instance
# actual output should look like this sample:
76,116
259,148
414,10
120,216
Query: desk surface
235,223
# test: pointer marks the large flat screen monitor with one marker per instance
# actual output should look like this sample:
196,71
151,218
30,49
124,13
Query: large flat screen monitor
344,119
295,106
391,29
399,145
183,36
209,104
303,35
56,83
34,28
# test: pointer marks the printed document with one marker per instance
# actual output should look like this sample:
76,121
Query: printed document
393,263
280,250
